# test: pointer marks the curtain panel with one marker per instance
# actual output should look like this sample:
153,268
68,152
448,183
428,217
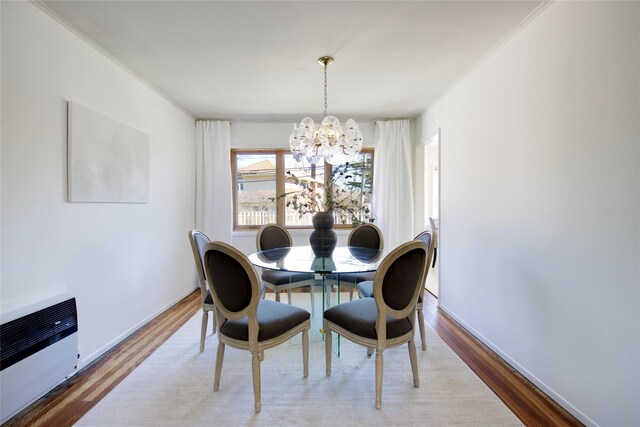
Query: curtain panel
392,181
214,200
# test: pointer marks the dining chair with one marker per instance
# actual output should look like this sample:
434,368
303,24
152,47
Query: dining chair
198,240
435,225
363,236
273,236
388,319
245,321
365,289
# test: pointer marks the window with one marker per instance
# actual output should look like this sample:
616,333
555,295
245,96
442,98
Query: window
259,177
255,188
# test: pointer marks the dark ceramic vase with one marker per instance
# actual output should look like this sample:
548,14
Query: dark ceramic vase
323,239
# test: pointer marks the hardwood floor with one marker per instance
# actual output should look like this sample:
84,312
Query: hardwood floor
526,401
71,400
68,402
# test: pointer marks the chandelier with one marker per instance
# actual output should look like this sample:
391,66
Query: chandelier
336,143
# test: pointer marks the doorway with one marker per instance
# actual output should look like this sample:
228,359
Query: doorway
431,199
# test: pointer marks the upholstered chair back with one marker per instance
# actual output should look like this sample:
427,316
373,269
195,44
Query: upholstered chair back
366,236
199,241
399,282
233,282
272,236
425,236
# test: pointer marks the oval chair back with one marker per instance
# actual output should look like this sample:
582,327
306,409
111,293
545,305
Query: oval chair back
198,241
272,236
366,236
435,226
399,281
363,236
233,282
426,237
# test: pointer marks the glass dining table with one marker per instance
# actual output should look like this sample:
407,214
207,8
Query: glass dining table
331,273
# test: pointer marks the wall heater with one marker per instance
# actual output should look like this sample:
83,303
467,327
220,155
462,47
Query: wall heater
38,349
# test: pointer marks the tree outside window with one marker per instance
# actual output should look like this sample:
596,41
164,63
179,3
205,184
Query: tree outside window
259,177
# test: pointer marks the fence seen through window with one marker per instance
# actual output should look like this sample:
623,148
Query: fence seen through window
271,187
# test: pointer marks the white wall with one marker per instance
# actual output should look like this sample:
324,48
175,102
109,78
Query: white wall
540,206
247,135
276,135
123,262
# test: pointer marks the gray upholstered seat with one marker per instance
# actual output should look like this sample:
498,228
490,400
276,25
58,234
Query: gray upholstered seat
360,316
244,320
273,236
386,320
365,289
277,277
274,319
352,278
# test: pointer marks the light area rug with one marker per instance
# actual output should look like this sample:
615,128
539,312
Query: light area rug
174,387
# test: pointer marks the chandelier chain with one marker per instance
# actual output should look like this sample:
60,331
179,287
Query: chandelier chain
325,89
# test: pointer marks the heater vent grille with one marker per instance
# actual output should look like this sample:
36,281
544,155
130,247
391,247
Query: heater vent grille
29,334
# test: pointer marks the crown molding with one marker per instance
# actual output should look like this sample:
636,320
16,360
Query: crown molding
107,54
487,55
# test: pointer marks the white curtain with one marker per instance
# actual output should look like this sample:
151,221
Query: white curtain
392,182
214,210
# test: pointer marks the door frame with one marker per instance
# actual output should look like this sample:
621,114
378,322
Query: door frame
434,138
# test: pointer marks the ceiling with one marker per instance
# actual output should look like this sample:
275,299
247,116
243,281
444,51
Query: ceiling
258,60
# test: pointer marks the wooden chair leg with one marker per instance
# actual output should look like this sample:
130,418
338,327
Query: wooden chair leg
255,365
370,351
277,295
213,322
305,352
203,328
351,293
379,363
289,295
414,363
327,348
423,337
219,360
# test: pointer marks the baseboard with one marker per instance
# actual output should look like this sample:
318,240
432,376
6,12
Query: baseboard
537,382
86,361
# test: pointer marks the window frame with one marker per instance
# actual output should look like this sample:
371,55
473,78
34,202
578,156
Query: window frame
280,185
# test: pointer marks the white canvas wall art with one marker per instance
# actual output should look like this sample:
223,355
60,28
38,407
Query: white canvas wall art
108,161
